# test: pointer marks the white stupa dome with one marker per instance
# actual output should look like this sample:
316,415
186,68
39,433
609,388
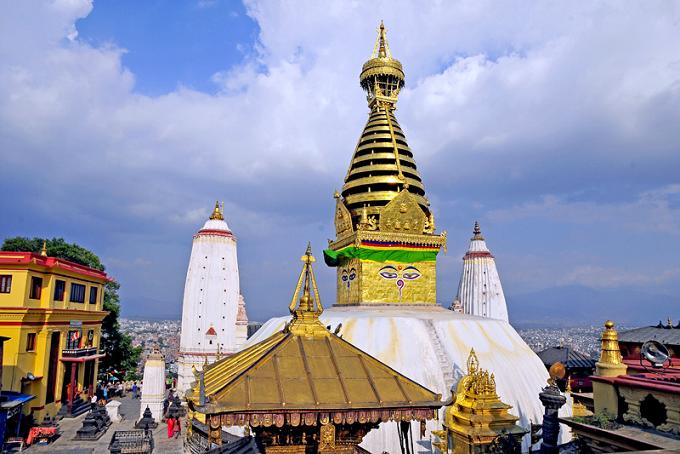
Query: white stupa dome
431,345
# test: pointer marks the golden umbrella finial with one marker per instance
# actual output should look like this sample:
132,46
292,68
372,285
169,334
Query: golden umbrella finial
217,213
309,298
43,251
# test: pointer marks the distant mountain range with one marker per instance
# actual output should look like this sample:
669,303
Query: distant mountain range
579,305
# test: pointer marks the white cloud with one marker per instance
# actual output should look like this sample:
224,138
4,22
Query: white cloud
543,98
656,210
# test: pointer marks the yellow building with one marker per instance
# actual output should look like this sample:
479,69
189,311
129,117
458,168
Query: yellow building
51,309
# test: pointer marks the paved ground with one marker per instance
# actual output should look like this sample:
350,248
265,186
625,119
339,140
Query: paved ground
129,409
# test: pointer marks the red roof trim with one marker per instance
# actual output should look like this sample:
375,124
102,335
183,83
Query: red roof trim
474,255
26,258
213,232
666,382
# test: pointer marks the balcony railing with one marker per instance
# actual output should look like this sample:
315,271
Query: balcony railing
78,352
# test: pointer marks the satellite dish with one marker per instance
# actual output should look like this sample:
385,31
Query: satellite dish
655,352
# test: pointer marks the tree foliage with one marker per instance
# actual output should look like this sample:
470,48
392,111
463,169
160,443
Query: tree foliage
121,357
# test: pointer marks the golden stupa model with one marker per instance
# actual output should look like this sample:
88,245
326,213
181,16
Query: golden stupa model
476,418
385,248
304,388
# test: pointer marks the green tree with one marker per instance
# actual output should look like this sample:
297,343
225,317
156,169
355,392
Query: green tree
121,357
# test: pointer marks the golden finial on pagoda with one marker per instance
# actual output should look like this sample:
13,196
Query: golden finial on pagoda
477,232
43,251
476,415
382,76
308,307
218,212
381,50
610,363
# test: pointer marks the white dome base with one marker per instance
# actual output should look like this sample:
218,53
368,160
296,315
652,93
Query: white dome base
430,345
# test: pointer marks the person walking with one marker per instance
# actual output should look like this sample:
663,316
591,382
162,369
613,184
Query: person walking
171,427
134,390
177,428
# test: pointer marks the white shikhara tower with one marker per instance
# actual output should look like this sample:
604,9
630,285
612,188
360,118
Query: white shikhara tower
480,291
153,388
214,320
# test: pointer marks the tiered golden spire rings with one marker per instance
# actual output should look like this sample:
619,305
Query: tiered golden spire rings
610,353
218,212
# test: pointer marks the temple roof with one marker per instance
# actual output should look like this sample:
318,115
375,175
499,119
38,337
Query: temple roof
383,163
305,367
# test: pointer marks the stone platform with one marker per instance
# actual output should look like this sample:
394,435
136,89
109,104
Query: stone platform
130,411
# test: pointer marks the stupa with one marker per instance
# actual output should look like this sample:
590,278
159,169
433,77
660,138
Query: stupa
153,386
214,320
385,252
480,291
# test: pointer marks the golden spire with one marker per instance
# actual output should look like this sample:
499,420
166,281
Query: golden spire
611,362
383,163
381,49
218,212
477,232
307,308
43,251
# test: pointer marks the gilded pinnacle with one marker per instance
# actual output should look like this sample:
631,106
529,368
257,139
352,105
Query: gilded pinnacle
218,212
43,251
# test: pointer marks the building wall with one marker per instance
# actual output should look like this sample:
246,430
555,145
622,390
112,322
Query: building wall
21,316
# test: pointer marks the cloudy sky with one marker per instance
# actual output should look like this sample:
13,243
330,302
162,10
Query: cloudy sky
555,124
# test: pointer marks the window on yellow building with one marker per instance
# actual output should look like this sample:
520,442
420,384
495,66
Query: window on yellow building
36,288
59,290
30,342
73,340
77,293
6,283
93,295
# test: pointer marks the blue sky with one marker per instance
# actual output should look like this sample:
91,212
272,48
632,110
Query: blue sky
554,125
172,43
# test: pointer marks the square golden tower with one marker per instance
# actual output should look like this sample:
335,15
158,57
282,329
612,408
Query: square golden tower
385,249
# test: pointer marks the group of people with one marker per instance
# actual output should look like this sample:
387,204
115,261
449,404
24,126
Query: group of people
105,391
174,427
173,421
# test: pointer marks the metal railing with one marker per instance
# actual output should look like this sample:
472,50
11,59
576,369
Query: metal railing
78,352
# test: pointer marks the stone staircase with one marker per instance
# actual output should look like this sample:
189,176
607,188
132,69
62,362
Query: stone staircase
79,407
444,361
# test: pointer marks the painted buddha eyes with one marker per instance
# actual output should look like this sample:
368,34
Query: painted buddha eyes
409,273
348,276
387,272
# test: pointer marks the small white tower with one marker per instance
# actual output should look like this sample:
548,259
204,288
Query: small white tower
153,386
480,291
211,300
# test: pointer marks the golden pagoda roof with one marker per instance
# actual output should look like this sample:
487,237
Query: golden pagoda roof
383,163
305,367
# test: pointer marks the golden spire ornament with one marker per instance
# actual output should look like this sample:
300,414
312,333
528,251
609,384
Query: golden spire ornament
218,212
610,363
43,250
